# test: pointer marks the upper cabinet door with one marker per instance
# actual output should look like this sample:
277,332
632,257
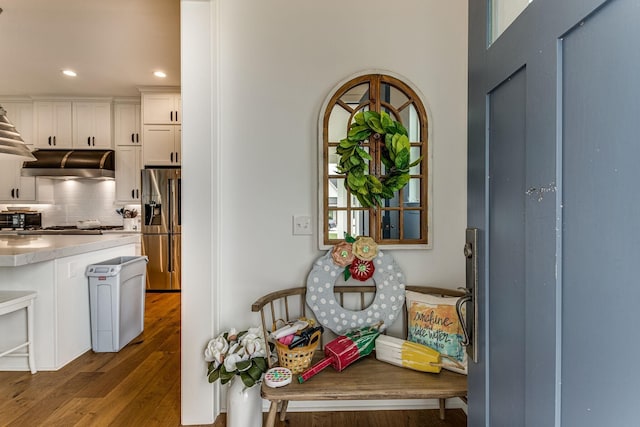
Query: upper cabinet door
127,124
92,125
162,108
52,124
21,115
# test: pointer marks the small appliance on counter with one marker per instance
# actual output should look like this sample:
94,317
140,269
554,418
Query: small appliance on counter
20,219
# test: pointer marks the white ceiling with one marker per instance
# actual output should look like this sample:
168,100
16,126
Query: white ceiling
113,45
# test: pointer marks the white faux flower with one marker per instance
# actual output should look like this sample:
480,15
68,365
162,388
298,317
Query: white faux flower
253,343
230,362
216,350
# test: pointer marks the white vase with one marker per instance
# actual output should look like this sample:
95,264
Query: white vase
244,405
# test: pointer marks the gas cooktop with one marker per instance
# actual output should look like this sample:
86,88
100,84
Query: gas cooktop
70,229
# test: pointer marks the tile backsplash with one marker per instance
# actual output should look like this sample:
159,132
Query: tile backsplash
80,200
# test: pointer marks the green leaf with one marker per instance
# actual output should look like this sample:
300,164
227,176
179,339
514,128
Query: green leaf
346,143
359,118
402,159
360,135
224,375
368,115
213,376
347,273
387,193
255,372
401,129
356,181
416,162
243,365
260,362
386,121
387,162
349,238
247,379
403,143
374,184
363,154
375,125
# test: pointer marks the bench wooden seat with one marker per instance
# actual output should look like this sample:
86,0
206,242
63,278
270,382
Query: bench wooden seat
366,379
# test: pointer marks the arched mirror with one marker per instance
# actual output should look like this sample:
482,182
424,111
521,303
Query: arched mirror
401,220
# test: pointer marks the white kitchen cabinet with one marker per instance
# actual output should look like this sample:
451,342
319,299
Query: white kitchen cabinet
128,165
21,115
127,124
13,186
161,108
62,312
92,125
162,145
52,124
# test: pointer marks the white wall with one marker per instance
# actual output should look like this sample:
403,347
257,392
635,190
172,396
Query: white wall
273,63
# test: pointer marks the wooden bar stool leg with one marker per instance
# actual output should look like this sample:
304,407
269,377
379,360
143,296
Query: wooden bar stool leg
32,357
273,411
442,408
283,410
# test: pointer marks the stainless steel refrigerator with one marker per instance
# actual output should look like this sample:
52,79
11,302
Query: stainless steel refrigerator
161,227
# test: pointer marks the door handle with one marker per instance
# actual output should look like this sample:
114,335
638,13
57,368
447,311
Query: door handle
469,320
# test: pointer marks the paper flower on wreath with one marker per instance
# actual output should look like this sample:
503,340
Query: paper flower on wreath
356,254
365,248
361,270
342,254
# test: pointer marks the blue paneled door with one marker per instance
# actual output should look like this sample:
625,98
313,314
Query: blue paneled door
553,178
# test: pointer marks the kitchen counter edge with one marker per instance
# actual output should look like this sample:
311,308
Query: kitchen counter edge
17,250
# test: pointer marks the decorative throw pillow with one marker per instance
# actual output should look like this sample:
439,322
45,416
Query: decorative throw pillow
433,321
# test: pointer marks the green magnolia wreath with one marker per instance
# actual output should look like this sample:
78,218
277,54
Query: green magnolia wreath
395,150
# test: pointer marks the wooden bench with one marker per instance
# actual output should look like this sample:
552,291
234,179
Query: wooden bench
366,379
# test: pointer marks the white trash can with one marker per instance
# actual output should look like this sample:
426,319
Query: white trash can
116,301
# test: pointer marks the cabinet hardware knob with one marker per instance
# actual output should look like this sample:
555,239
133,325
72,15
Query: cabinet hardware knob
49,140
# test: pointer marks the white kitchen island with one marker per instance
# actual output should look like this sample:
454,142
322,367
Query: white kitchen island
54,266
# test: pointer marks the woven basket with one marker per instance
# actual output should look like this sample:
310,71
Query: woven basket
297,359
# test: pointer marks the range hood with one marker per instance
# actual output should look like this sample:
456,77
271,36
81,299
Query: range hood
71,164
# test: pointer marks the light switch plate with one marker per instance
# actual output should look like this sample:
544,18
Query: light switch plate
301,225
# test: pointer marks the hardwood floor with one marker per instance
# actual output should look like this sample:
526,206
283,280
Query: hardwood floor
140,386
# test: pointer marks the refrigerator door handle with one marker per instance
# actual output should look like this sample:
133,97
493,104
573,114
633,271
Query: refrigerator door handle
170,204
179,199
169,254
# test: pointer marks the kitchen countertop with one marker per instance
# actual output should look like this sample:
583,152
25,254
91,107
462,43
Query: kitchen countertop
17,250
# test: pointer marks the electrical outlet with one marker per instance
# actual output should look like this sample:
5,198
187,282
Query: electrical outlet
301,224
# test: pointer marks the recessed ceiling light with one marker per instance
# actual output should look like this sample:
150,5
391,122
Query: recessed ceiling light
69,73
160,74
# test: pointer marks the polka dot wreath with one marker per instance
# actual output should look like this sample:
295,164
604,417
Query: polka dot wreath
387,303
